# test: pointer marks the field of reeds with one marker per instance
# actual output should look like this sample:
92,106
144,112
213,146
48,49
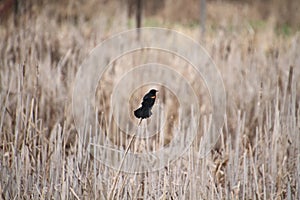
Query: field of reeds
45,155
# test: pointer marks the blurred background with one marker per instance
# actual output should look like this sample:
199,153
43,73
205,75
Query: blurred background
256,46
230,15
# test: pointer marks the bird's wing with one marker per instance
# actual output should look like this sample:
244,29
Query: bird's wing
149,96
144,103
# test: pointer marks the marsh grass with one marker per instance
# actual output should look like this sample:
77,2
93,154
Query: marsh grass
43,156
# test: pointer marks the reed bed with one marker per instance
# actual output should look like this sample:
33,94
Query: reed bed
42,154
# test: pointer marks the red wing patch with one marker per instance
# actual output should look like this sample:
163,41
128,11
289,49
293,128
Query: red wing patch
153,97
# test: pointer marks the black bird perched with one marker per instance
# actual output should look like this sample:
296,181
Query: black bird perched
144,111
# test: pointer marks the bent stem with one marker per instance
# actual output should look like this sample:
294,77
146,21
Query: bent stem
112,191
140,121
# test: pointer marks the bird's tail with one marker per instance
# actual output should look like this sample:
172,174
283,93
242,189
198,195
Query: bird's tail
138,113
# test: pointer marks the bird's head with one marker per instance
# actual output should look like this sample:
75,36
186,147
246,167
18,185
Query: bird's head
153,91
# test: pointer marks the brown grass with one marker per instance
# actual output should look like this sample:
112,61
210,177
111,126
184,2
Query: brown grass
42,156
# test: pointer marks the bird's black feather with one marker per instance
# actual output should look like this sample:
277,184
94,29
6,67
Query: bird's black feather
144,111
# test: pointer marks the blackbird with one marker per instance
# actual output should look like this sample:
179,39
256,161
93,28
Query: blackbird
144,111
